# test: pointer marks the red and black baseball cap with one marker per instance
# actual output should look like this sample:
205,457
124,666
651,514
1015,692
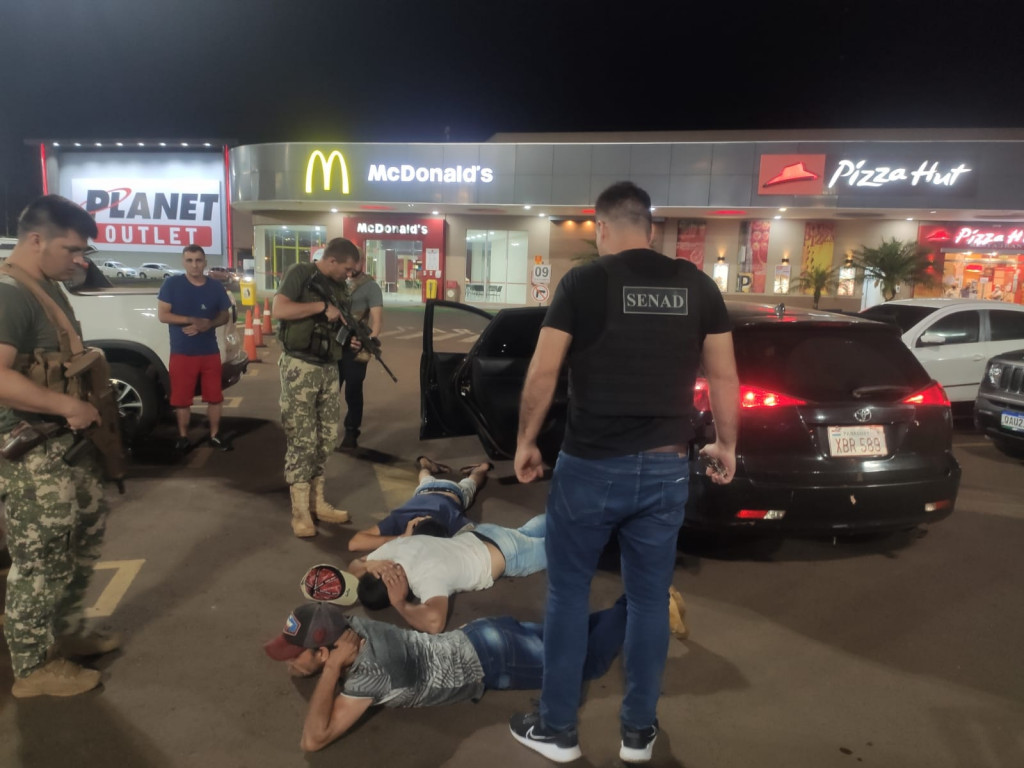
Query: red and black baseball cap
327,584
311,625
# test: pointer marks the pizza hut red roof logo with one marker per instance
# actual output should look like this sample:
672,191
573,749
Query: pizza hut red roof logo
791,175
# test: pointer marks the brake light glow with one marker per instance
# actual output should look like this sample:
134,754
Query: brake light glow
701,399
933,394
756,397
761,514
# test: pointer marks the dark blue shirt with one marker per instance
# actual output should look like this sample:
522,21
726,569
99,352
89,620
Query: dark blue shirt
442,508
207,301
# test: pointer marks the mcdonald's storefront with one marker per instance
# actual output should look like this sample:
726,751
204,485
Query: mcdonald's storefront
501,222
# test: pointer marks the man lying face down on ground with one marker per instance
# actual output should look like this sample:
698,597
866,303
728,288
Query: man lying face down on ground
438,505
433,569
364,663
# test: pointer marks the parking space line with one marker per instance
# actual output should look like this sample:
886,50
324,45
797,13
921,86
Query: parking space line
108,600
229,402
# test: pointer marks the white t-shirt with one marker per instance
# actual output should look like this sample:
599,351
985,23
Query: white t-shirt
437,566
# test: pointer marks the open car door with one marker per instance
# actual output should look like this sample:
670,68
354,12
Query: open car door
490,383
449,330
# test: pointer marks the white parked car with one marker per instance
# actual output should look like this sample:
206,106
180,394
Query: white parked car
158,269
117,269
954,338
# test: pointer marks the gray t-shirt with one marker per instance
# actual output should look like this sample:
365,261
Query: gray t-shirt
363,294
405,668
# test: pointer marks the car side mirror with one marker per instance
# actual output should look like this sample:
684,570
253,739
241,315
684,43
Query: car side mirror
931,339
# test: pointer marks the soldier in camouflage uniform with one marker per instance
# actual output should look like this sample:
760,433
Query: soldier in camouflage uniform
54,513
310,400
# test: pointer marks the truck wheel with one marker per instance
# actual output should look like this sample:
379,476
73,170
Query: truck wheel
120,274
137,399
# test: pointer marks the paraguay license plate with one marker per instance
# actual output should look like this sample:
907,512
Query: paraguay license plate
857,441
1012,420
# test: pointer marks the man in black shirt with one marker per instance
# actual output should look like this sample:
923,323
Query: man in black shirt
634,327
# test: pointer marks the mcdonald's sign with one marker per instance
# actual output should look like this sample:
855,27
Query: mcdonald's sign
326,170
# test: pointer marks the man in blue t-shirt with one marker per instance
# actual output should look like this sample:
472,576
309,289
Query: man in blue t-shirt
442,502
194,306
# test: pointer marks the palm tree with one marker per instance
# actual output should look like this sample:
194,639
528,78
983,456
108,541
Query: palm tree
817,279
894,262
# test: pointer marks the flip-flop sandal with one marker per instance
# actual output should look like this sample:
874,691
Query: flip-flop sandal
467,470
433,467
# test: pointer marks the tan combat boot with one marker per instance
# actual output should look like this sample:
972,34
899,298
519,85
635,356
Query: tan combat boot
302,522
58,677
677,614
321,508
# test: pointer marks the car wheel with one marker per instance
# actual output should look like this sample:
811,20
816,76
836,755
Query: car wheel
120,274
142,275
137,400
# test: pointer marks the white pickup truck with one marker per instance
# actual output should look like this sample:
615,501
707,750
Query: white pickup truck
122,321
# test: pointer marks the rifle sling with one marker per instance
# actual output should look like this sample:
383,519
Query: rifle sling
68,338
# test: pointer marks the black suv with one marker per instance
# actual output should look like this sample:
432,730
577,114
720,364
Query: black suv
999,409
841,428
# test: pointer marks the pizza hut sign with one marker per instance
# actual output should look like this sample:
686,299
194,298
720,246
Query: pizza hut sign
861,173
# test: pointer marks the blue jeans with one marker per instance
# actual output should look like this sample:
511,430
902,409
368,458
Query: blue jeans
522,548
465,489
642,499
511,652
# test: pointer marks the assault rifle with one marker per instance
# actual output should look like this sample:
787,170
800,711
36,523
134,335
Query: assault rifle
351,326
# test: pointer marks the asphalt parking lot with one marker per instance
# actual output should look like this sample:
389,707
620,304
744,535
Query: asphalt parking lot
887,651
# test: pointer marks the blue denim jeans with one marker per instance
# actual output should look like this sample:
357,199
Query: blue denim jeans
511,652
465,489
523,547
641,498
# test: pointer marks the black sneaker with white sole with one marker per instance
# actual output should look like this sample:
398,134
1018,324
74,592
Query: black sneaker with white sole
560,746
638,744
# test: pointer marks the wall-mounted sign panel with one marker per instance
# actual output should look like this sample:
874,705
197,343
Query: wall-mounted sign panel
152,214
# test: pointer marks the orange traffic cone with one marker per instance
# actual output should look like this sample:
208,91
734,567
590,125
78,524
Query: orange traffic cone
267,327
257,331
250,338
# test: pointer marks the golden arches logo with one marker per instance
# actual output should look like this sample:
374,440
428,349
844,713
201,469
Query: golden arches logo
326,167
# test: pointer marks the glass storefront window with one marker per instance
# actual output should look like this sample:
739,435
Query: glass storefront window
397,266
996,276
277,247
496,266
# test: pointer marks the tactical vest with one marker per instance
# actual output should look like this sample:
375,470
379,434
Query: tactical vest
46,367
76,370
312,339
644,364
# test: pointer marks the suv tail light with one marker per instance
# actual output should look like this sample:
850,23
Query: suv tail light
757,397
750,397
933,394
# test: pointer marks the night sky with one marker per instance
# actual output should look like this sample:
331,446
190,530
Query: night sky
390,70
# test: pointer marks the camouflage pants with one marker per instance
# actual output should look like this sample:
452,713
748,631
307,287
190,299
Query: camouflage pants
55,517
310,411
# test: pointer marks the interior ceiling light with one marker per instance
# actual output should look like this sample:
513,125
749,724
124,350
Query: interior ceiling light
778,216
782,210
433,213
527,207
56,143
334,210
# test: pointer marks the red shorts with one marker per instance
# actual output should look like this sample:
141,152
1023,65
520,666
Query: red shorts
186,369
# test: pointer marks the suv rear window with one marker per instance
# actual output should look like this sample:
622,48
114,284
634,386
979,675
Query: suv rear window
906,317
827,364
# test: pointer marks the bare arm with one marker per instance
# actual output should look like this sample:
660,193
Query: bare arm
330,716
284,308
17,391
376,321
368,540
538,392
724,389
429,617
